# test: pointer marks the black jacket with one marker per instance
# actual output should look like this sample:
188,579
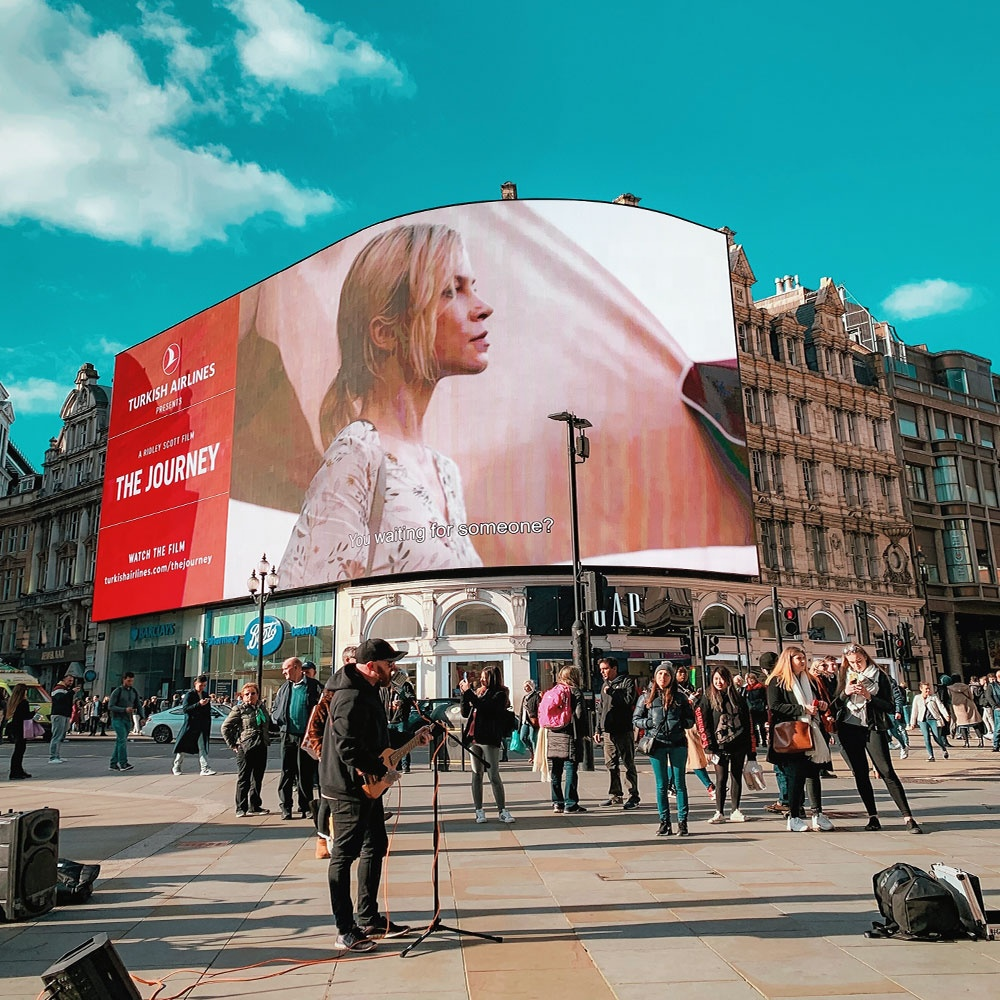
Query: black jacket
671,726
881,705
356,734
782,706
708,726
489,709
197,723
279,711
617,704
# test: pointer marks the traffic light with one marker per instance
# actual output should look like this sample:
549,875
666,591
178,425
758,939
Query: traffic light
687,641
904,642
595,589
790,627
883,644
577,645
899,645
709,646
861,618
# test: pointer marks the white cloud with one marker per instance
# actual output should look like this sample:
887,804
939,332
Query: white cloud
37,395
92,145
105,347
186,60
926,298
285,45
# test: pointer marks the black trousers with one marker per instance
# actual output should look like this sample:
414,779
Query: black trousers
802,774
858,744
298,774
249,777
358,835
619,752
729,764
17,758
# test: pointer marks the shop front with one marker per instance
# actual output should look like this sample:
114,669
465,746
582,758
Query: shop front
155,648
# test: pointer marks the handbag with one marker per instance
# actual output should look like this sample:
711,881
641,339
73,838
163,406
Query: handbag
791,737
508,723
753,776
647,741
33,730
516,743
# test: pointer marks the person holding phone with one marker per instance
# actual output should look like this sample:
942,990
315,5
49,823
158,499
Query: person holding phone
197,729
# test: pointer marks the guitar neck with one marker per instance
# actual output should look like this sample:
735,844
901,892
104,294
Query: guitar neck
397,755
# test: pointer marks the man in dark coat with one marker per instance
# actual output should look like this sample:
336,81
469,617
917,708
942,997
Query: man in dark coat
293,704
356,735
614,731
197,729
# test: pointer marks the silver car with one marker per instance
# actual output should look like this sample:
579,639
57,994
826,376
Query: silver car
165,727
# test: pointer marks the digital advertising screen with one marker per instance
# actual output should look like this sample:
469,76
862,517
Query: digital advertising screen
383,406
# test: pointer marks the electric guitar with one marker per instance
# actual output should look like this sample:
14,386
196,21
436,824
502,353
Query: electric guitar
375,788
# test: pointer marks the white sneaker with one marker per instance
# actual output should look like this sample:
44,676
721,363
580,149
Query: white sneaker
207,771
796,825
737,817
175,770
505,816
718,818
903,754
56,760
820,822
480,815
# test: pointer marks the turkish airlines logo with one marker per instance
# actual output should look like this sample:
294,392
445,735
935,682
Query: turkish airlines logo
171,359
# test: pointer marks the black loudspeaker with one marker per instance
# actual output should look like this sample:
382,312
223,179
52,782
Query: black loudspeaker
29,854
91,972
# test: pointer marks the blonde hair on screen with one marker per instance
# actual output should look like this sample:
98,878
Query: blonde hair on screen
395,281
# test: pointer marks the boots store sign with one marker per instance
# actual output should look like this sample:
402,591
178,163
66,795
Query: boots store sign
274,635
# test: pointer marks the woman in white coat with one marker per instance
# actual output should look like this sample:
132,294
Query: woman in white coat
929,713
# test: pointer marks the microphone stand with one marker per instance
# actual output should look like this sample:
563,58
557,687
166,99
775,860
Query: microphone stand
436,925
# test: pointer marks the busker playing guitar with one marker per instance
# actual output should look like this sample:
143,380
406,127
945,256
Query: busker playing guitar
356,766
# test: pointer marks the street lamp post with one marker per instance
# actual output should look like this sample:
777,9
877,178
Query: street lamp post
924,575
262,583
578,451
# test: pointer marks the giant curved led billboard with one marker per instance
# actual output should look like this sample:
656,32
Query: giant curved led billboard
382,408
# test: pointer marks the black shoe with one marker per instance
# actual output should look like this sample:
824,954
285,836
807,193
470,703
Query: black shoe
354,940
558,807
631,804
259,812
682,828
241,813
285,815
665,830
385,928
19,777
126,767
873,823
614,800
114,767
912,826
575,809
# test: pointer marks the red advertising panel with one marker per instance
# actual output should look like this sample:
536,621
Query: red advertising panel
169,461
382,408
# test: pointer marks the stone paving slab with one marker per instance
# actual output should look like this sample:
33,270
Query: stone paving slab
589,905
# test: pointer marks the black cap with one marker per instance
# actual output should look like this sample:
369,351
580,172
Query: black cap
372,650
308,665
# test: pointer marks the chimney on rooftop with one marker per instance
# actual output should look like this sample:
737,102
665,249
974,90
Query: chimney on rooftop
508,191
627,199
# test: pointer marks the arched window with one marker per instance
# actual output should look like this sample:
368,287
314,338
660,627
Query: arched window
765,625
474,619
394,623
825,628
717,619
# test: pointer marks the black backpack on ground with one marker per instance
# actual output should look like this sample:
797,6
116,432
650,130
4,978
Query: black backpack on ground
915,905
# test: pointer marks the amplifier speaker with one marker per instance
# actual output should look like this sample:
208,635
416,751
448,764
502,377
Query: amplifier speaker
94,971
29,856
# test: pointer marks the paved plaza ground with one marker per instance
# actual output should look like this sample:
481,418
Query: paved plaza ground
589,905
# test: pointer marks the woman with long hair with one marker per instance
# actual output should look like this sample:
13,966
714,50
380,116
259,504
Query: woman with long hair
727,734
865,702
18,713
383,501
485,709
564,747
666,713
791,697
246,732
930,714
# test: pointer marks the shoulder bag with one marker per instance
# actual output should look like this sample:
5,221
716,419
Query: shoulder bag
791,737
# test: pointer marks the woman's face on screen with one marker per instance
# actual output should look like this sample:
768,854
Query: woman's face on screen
460,343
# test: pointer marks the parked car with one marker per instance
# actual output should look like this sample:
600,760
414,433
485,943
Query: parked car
165,727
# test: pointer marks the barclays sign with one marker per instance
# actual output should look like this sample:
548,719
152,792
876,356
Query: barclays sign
274,635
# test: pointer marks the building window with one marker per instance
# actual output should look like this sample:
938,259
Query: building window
957,554
956,380
959,428
758,339
821,359
777,479
64,570
741,336
769,544
809,484
939,423
907,417
475,619
852,427
916,485
986,436
857,554
946,485
861,487
989,485
7,587
792,348
767,407
750,405
871,556
801,416
970,483
878,434
838,424
817,548
758,467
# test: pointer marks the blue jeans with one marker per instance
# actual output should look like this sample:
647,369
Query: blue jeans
929,728
669,764
996,728
529,737
897,729
570,798
122,727
60,723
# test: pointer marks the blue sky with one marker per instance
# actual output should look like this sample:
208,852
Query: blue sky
158,157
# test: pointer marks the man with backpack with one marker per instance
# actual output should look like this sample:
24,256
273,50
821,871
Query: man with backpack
614,731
